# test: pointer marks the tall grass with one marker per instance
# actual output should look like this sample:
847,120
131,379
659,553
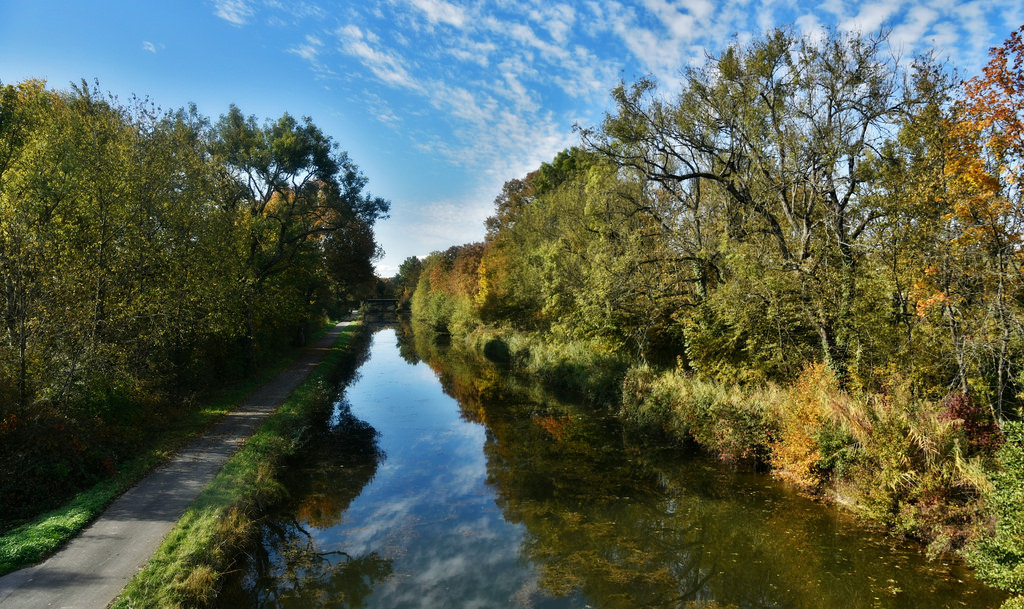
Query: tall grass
590,370
893,458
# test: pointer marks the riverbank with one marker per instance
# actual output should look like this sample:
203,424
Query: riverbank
925,470
39,537
94,568
189,565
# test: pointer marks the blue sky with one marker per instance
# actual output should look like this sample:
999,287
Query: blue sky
438,101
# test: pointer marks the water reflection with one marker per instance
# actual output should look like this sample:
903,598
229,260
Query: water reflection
291,567
625,525
506,497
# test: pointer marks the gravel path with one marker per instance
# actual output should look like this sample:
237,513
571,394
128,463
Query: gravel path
90,571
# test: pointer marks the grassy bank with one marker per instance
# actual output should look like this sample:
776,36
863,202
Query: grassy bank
33,541
590,370
187,568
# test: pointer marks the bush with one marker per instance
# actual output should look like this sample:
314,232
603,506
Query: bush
727,421
914,476
998,556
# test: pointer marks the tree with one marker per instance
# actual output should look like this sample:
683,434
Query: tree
407,278
771,145
299,199
986,169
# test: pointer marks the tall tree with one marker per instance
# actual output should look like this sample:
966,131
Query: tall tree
296,194
778,138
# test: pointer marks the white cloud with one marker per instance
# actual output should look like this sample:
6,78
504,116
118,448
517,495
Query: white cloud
558,20
944,36
514,89
439,11
680,25
149,46
524,35
297,10
871,17
703,10
237,12
490,88
308,50
972,15
809,26
837,8
472,51
388,67
909,35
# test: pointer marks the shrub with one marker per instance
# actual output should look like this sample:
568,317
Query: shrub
729,422
914,477
998,556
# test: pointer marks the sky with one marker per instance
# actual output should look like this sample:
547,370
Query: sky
439,102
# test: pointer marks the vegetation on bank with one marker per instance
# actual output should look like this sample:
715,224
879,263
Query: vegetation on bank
190,565
150,256
36,539
808,258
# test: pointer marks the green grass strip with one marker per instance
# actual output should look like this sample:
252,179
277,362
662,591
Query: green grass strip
35,540
187,568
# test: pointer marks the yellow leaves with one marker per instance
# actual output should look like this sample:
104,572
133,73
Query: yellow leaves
802,412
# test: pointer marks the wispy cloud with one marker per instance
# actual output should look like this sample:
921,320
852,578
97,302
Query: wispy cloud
558,20
149,46
237,12
491,88
914,31
871,17
439,11
385,65
308,50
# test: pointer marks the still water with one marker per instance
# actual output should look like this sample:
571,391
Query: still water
440,482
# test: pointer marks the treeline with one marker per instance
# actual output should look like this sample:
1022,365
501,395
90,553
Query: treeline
808,257
146,255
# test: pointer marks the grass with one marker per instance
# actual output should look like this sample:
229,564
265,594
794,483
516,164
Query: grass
187,568
35,540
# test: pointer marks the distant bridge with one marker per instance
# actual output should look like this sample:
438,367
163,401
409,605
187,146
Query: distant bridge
379,309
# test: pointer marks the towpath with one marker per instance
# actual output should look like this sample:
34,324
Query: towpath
93,568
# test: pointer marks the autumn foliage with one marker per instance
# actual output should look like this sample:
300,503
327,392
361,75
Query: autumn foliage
810,254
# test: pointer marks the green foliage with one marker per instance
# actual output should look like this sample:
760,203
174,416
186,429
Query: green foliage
726,421
447,287
407,279
146,255
808,256
32,541
999,555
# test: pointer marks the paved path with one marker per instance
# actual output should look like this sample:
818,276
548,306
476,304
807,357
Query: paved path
90,571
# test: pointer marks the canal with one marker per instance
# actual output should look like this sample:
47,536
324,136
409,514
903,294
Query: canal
439,481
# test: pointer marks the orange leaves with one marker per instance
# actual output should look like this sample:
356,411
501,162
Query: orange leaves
994,99
986,152
926,304
555,426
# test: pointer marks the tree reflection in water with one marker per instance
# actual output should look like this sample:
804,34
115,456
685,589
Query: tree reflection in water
597,517
289,568
626,524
